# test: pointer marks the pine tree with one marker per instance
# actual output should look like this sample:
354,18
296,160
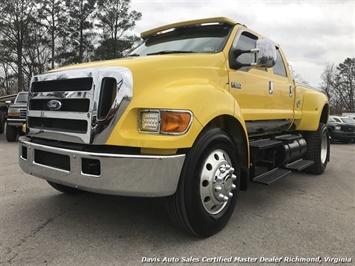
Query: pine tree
79,35
115,20
53,16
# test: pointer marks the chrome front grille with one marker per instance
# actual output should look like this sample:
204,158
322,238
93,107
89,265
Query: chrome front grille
23,113
77,105
68,105
59,124
60,85
348,128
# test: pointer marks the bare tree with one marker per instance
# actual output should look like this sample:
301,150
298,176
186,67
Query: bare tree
15,17
338,83
328,79
297,77
345,84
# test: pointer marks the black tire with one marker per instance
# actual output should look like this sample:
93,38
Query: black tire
2,122
65,189
196,207
318,149
11,133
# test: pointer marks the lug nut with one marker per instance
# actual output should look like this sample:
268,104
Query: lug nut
220,178
218,188
234,186
221,197
230,194
225,198
234,177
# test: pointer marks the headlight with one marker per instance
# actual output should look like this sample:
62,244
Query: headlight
174,122
149,121
13,112
337,128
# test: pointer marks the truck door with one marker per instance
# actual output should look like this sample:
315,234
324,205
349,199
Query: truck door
264,106
284,93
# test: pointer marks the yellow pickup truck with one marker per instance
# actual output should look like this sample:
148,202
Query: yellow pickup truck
192,115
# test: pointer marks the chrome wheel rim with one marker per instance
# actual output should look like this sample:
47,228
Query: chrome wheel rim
216,182
324,148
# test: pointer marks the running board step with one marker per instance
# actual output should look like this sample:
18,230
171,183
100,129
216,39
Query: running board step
271,176
263,144
299,165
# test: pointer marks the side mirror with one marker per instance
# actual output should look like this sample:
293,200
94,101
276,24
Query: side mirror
7,103
265,54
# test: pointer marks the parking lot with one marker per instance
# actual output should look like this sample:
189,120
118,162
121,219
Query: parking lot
299,217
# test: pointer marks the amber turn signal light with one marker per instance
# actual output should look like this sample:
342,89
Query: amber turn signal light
174,122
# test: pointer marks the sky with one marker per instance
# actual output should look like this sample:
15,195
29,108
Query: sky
311,33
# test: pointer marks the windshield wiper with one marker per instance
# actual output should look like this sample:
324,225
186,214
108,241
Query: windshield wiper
171,52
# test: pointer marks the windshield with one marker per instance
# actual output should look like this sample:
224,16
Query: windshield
22,97
348,120
201,39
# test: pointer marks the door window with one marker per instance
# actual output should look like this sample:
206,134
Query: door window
279,68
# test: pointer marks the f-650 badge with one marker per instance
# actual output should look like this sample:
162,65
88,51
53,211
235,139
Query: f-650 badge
54,105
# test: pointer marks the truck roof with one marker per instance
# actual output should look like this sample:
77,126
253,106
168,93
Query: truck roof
196,22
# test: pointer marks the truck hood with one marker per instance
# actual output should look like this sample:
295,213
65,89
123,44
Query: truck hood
18,105
161,71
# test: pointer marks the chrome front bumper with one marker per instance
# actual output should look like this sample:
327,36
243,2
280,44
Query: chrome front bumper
118,174
16,122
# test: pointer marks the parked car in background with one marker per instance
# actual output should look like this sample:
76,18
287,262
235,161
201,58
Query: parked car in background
341,128
16,116
350,115
3,109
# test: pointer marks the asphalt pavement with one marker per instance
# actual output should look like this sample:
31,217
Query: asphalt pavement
300,219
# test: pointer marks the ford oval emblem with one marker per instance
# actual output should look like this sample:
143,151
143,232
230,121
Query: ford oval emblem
54,105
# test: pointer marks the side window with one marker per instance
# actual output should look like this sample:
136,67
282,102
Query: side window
279,67
246,41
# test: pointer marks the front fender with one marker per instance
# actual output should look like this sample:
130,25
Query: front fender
205,101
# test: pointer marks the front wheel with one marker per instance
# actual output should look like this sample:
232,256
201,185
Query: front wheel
207,191
11,133
2,122
318,149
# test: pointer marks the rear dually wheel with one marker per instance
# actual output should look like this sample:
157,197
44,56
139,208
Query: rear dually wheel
318,149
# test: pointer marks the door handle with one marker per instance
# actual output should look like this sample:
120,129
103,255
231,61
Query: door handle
271,87
291,91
